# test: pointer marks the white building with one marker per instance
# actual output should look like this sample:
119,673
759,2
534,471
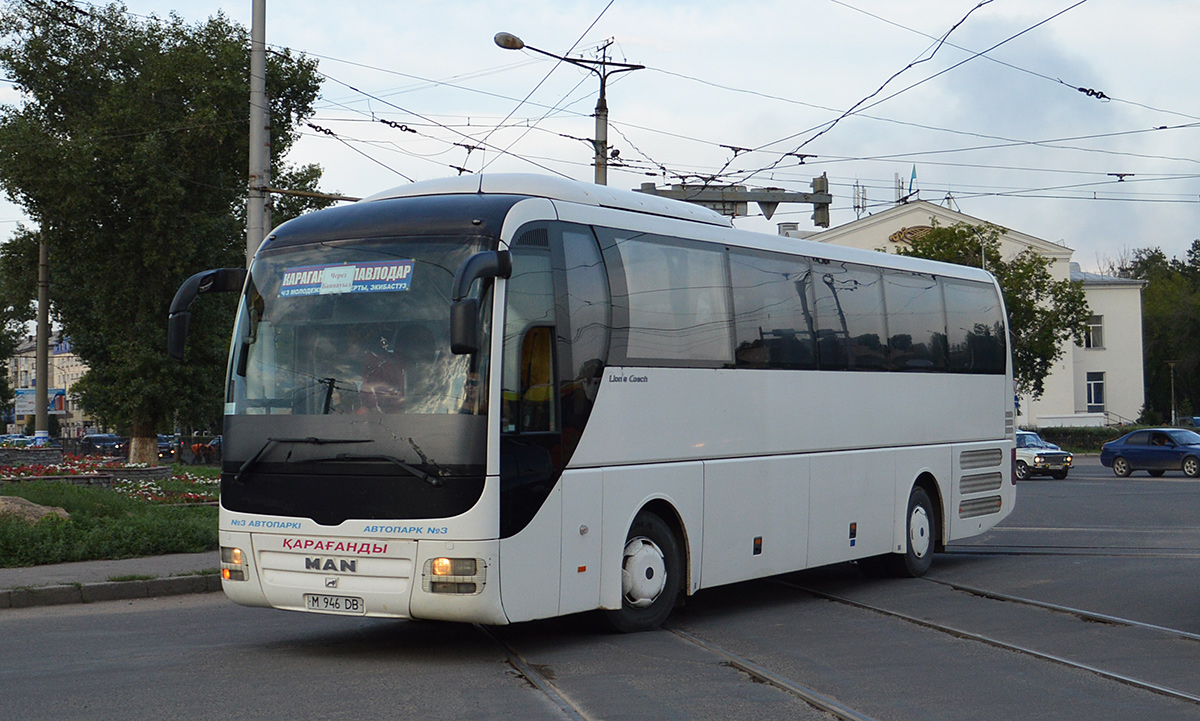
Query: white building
65,369
1098,383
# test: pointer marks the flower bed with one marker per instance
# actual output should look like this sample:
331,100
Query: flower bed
156,484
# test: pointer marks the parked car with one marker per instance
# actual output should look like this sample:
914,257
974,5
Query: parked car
166,447
1036,457
102,443
1156,450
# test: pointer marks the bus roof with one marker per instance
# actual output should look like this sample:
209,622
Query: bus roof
544,186
720,227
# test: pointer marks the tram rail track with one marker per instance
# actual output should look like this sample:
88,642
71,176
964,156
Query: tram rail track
1107,551
810,696
569,709
1071,611
539,680
1123,679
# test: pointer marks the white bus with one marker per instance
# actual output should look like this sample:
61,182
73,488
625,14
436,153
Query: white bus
503,398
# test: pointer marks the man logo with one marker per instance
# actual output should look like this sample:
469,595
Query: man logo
331,582
341,565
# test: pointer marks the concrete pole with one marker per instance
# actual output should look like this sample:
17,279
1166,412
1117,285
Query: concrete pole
41,422
1174,418
601,141
258,219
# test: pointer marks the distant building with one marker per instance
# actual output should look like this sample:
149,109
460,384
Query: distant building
1098,383
66,369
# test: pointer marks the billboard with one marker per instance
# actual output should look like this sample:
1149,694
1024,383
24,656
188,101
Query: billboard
26,403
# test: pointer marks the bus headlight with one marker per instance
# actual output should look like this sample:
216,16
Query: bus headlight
233,564
459,576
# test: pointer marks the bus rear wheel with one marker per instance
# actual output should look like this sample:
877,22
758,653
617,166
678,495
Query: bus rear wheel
651,576
920,533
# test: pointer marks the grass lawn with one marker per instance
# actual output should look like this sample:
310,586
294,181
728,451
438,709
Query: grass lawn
131,519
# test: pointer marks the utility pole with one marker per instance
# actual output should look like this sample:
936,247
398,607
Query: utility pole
602,68
258,213
41,394
1174,418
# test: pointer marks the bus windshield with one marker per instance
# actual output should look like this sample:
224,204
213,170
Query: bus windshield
353,328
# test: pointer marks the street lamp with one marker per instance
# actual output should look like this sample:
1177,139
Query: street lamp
602,68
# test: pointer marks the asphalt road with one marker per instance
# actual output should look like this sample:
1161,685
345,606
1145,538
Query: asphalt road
1115,558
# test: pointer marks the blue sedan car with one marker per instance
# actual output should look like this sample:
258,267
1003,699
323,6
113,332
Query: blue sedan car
1156,450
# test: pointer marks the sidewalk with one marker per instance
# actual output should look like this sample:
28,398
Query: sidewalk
91,581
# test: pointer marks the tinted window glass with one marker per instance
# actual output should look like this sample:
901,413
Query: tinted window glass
584,306
975,328
527,393
673,298
773,322
583,332
916,322
849,315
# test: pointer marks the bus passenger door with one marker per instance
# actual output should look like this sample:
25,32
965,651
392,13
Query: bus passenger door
530,437
556,332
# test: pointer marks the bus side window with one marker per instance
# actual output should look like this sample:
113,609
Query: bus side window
527,391
537,410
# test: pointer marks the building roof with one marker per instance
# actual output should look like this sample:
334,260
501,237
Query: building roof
1096,279
917,214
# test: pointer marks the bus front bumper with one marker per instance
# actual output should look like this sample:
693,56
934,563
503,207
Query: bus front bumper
384,578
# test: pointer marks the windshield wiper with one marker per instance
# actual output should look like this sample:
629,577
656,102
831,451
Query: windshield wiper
310,440
431,480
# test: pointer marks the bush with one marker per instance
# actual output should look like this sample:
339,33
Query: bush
1081,440
104,525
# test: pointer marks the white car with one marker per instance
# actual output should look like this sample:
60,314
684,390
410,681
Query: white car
1036,457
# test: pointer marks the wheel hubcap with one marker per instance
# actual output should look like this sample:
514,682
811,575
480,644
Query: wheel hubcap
919,532
644,572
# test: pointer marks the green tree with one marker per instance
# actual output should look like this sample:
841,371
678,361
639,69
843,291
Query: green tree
18,285
129,149
1170,328
1043,313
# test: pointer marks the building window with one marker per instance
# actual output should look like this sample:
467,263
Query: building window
1095,392
1095,332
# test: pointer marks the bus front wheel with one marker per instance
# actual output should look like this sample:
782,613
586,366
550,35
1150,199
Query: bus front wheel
651,575
920,534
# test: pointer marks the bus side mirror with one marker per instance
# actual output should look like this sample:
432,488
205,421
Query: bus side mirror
221,280
464,327
464,311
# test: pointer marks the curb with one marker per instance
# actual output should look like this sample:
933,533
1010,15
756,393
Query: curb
28,597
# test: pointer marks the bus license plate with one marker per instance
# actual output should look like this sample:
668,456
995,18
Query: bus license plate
335,604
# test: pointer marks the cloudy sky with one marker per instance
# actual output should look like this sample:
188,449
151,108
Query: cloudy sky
752,92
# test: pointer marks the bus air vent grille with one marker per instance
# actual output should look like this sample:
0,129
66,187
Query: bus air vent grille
982,458
980,482
979,507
